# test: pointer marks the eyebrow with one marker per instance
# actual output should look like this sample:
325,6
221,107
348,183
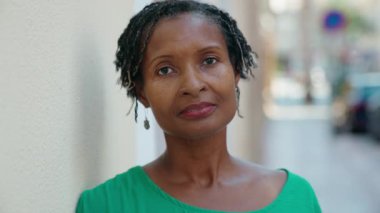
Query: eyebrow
159,57
211,47
205,49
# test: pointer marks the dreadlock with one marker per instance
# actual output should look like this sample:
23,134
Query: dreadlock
133,41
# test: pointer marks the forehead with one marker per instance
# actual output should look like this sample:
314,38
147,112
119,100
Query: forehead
185,30
187,18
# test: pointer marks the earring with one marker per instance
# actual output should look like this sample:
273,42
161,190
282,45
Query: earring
237,91
146,121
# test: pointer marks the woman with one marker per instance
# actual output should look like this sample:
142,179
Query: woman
184,60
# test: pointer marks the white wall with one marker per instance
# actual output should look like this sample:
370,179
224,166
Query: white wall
149,143
245,134
63,123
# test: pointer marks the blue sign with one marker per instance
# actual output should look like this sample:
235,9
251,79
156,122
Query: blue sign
334,20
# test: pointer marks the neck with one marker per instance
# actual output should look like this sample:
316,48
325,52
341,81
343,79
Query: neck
199,161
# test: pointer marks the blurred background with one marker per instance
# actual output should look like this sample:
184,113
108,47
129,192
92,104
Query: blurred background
313,106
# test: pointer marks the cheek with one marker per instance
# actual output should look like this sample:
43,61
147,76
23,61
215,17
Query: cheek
232,98
230,94
160,98
225,82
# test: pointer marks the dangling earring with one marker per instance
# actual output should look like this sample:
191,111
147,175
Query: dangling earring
237,91
146,121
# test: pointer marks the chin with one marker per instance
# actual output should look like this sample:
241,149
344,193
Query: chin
198,133
199,130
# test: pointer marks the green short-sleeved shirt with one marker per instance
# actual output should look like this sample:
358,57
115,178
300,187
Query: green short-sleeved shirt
133,191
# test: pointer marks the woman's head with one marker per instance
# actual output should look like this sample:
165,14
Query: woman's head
133,42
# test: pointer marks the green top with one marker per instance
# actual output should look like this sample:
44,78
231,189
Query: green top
133,191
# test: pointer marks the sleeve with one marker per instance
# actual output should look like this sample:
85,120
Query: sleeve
90,202
306,194
80,205
315,203
93,201
313,199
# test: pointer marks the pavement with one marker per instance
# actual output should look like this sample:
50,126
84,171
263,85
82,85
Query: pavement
344,169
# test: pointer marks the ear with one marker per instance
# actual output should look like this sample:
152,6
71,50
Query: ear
141,95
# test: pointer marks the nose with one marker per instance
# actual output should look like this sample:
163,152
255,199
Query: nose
192,82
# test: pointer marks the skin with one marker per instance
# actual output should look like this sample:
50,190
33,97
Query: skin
186,62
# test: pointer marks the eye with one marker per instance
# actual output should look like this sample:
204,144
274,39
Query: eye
209,61
165,71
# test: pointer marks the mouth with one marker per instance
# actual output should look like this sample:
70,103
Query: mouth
197,111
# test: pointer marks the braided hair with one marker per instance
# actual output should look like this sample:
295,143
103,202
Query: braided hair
133,41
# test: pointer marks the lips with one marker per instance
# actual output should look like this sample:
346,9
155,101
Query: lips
198,111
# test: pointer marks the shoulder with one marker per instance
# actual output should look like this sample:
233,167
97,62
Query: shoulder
266,180
290,190
113,185
269,183
282,188
107,193
279,180
298,191
298,183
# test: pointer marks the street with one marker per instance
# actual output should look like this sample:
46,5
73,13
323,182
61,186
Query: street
343,169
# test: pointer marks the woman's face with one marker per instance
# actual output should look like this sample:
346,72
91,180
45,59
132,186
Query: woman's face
189,81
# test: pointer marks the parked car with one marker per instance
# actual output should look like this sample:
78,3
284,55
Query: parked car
350,111
374,115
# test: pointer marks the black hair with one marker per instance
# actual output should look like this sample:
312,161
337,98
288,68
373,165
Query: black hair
133,41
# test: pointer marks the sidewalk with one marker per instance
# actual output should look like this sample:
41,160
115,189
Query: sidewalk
344,170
